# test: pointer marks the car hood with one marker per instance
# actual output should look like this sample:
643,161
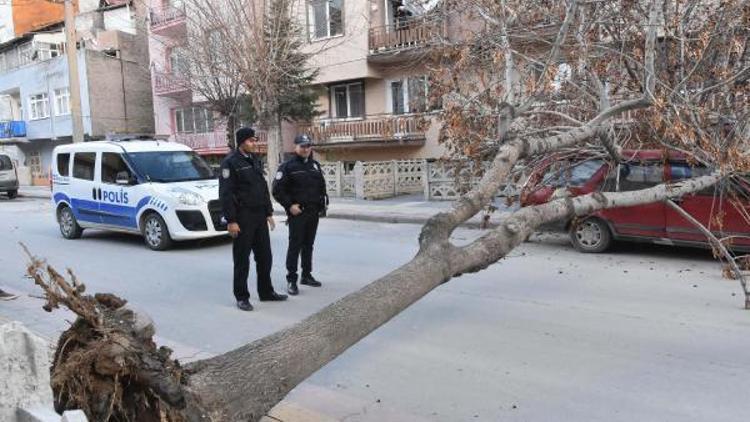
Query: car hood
206,189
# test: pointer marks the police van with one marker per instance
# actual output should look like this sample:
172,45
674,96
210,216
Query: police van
161,190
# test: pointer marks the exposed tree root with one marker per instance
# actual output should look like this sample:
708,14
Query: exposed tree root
107,363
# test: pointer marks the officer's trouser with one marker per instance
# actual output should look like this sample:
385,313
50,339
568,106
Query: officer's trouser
302,230
253,237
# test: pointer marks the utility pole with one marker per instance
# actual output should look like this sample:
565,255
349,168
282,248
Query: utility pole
74,83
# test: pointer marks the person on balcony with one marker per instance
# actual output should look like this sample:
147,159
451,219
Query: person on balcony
299,186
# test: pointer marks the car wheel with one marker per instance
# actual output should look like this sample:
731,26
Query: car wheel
68,225
12,194
591,235
155,233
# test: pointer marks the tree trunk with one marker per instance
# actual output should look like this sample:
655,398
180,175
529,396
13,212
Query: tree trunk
231,127
274,149
244,384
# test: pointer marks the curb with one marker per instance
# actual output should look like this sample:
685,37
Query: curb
339,215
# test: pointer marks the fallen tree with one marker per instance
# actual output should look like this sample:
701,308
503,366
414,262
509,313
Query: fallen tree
112,369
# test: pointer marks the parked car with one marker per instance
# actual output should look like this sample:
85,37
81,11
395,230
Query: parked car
161,190
8,177
726,211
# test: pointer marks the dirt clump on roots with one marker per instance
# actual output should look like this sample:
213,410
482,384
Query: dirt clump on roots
107,363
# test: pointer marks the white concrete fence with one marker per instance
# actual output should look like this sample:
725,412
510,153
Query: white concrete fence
436,180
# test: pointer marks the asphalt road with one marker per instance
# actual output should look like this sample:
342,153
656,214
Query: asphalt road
641,333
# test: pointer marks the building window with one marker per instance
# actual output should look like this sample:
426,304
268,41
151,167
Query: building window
326,18
46,51
38,107
178,63
348,100
83,165
411,95
193,120
24,54
62,102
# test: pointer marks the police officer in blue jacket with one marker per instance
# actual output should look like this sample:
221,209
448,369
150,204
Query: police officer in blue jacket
299,186
246,205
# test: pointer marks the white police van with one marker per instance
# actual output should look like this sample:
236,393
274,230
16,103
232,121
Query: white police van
161,190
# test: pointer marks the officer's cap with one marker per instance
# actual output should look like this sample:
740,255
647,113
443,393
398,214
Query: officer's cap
302,140
243,134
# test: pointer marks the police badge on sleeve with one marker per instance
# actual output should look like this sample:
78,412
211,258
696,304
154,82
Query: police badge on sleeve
225,173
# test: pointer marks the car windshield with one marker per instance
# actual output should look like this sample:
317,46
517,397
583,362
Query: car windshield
171,166
5,163
567,173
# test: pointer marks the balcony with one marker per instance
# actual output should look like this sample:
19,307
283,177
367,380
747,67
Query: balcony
370,132
12,129
170,85
388,44
168,21
213,143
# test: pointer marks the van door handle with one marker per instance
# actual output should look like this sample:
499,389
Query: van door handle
100,193
93,193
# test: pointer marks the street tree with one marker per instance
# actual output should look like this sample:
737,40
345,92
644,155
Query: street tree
526,78
259,45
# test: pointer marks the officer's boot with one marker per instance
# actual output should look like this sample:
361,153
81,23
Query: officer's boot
291,287
309,280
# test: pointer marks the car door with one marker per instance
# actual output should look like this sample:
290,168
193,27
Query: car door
723,208
118,193
644,221
84,197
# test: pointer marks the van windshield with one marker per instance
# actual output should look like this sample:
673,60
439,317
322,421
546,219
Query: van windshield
5,163
171,166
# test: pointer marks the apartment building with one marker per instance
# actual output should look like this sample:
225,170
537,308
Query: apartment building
116,97
373,86
181,114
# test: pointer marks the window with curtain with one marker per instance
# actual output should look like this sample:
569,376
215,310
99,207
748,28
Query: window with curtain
326,18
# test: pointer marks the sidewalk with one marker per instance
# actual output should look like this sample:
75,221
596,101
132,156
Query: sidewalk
408,209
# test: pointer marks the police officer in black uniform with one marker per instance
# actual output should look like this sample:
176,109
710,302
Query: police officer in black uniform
247,208
300,188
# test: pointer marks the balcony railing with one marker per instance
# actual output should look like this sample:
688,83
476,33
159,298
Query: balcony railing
411,34
169,83
163,16
215,142
12,129
392,128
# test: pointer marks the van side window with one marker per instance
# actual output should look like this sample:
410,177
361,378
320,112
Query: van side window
63,164
112,165
5,163
83,165
635,176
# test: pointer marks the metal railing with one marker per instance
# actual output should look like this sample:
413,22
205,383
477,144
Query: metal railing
12,129
369,129
410,34
165,83
166,15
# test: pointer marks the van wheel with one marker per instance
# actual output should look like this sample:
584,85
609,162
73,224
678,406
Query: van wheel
12,194
155,232
68,225
591,236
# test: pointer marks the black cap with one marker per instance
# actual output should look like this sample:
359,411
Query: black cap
243,134
302,140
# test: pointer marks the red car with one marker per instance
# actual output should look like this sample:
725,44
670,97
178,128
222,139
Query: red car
725,211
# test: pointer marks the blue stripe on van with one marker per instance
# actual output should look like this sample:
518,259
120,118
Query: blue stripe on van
105,213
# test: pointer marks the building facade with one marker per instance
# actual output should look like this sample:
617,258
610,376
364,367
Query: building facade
35,113
373,87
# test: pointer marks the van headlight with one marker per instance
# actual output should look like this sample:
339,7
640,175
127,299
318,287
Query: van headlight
185,197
